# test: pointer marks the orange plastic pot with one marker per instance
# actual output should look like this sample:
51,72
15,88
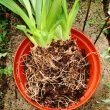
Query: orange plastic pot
95,70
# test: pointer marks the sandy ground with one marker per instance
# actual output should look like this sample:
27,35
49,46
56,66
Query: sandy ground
13,99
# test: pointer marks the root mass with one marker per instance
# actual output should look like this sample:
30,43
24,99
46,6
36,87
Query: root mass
58,75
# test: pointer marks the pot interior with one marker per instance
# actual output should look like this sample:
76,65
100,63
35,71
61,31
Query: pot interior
83,43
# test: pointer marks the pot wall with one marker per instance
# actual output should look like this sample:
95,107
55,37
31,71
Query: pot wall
83,43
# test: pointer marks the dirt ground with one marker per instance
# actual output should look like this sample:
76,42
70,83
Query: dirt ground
13,99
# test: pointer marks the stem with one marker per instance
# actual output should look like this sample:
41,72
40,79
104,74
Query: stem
89,4
102,29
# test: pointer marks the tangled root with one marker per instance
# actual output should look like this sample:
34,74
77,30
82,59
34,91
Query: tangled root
58,75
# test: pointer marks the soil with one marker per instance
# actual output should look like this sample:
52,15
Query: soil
58,75
12,98
3,77
3,89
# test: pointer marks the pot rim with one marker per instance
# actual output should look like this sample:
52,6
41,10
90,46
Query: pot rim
83,99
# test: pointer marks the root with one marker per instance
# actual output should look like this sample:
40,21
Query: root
57,76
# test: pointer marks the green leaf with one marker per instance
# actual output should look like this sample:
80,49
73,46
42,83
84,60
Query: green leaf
1,71
27,33
4,33
106,31
64,15
37,7
106,54
58,22
72,16
3,54
47,20
16,9
106,101
1,38
108,85
8,70
44,15
22,2
54,13
27,5
3,24
65,10
58,33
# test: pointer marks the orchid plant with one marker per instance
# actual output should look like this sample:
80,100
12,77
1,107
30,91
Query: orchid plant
46,20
